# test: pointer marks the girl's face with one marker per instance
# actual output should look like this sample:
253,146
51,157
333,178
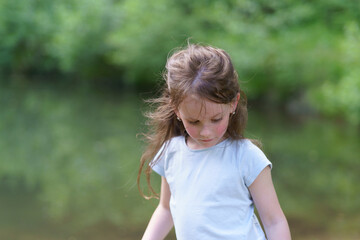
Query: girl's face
205,121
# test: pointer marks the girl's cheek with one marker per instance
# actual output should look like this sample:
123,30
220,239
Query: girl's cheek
221,129
190,130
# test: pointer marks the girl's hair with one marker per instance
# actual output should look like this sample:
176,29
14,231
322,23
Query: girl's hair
204,71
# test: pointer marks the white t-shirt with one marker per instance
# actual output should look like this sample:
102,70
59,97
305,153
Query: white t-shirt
209,189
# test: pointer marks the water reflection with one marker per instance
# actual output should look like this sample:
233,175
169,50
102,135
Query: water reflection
69,163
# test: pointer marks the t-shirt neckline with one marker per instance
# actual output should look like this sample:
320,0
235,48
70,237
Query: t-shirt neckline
203,149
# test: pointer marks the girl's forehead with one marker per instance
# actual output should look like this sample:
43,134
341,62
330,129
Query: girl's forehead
196,106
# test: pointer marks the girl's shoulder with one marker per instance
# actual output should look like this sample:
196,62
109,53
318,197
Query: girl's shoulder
245,144
176,140
174,143
251,160
245,148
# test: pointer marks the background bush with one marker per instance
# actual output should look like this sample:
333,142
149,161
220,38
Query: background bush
299,55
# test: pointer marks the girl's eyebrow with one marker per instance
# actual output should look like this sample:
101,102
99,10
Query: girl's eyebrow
216,115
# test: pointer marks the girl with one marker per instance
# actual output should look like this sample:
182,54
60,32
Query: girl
212,176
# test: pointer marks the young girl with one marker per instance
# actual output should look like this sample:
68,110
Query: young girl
212,176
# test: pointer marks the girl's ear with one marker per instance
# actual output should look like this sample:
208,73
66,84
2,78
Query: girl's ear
235,102
177,112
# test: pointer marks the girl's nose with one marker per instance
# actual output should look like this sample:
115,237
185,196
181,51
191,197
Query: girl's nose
205,132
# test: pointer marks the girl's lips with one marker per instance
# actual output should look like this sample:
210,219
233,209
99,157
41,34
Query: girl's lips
207,140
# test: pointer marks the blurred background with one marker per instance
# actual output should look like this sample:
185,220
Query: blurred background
74,74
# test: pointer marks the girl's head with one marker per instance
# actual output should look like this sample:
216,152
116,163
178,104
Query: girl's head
207,74
201,100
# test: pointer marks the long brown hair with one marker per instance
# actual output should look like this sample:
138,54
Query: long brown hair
197,69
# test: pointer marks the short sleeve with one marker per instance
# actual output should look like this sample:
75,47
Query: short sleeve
157,164
253,162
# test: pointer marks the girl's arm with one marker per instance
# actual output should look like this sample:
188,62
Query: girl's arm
161,221
263,193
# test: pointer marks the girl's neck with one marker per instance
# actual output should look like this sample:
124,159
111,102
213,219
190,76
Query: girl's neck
190,143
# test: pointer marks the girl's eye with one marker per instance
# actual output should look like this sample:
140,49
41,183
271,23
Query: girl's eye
194,122
217,120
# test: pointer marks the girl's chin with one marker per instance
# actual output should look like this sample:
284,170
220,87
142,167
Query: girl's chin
201,144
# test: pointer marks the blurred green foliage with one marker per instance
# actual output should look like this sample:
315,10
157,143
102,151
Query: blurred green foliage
285,51
343,96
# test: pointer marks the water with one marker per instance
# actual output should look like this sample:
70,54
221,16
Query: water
69,162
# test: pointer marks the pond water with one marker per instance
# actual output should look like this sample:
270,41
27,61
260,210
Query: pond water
69,159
